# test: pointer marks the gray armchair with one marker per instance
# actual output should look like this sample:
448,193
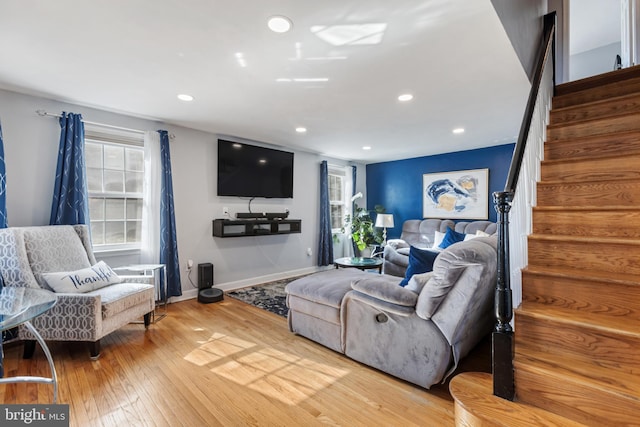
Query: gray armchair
28,253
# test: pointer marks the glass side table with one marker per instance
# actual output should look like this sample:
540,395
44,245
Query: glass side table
160,282
18,306
360,263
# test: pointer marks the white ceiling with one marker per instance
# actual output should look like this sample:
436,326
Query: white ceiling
134,57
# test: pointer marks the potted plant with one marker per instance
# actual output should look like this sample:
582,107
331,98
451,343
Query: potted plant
361,226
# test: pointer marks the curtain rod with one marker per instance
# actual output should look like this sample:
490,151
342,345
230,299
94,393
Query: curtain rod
44,113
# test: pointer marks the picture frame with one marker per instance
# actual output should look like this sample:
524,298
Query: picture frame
460,194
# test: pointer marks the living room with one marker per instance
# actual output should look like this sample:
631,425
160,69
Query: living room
30,142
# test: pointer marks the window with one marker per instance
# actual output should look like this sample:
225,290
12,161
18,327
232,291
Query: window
115,176
338,184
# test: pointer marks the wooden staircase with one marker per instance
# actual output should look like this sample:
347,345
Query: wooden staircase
577,332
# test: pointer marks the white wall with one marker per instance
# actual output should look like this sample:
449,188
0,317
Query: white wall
595,61
31,142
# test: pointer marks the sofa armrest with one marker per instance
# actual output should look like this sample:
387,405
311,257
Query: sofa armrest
137,278
397,243
386,288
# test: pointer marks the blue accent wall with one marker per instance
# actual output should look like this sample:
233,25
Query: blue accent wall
397,185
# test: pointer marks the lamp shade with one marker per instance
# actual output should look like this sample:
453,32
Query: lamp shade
384,220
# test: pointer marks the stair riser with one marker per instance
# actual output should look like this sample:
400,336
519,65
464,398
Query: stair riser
605,193
610,108
595,223
598,93
584,256
566,342
599,145
626,123
599,169
588,405
620,300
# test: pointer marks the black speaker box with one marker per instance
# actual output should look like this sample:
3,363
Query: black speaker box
206,292
205,276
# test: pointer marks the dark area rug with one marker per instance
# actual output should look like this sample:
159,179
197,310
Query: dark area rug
268,296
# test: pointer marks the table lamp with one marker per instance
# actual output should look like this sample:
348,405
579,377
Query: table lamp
385,221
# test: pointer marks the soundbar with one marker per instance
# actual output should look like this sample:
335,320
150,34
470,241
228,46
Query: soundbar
262,215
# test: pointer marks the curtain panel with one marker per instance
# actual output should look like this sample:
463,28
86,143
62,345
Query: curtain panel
168,235
325,245
70,204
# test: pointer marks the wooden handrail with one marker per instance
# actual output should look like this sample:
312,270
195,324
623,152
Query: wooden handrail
502,337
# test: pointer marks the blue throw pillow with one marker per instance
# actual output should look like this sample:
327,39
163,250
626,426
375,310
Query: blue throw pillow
451,237
420,261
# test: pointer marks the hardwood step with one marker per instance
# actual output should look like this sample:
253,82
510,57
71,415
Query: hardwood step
605,255
623,123
588,221
596,110
596,193
618,167
612,382
603,86
622,143
569,336
573,397
582,292
476,406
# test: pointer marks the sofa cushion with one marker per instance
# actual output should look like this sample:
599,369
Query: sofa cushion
385,288
85,280
420,261
54,248
122,296
451,237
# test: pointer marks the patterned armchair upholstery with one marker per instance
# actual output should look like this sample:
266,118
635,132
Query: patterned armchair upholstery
26,253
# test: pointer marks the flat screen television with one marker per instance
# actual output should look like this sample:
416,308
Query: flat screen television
251,171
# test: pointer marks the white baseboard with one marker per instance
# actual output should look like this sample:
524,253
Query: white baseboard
238,284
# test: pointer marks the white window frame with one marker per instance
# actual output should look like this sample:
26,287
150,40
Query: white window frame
112,136
342,172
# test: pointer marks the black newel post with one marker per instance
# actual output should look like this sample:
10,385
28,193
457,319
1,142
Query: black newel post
502,337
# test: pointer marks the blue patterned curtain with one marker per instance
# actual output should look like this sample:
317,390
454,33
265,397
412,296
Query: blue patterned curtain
3,224
70,203
3,188
325,246
354,175
168,237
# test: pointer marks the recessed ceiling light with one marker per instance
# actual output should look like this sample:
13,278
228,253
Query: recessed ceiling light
366,147
279,24
405,97
458,130
185,97
301,129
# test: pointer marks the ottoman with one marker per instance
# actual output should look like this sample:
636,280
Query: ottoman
314,305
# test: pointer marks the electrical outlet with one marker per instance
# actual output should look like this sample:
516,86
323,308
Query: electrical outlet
225,211
309,252
189,264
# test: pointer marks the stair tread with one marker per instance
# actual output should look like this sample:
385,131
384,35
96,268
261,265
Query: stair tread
593,120
622,384
569,160
607,324
585,239
595,103
622,278
588,83
586,208
473,392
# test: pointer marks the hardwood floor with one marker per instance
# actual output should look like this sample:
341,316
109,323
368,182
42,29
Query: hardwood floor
225,364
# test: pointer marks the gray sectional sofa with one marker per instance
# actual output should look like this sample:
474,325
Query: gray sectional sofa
417,333
421,234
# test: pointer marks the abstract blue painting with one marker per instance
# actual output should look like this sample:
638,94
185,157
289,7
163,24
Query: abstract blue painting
456,195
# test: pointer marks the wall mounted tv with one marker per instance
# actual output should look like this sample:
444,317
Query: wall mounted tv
250,171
